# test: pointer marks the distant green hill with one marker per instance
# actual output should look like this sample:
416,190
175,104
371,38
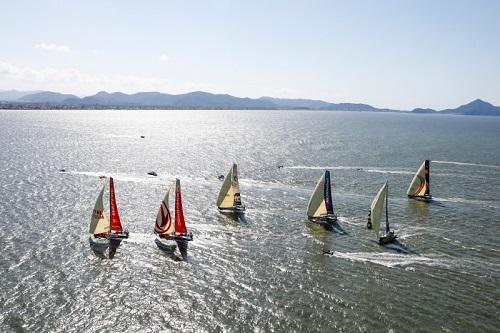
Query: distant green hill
475,108
204,100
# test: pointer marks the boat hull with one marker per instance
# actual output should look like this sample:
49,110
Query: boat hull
168,244
105,247
387,239
423,198
329,222
99,245
119,235
233,210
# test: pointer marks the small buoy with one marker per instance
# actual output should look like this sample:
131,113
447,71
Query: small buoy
152,173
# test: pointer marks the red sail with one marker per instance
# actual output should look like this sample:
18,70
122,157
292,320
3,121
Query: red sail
180,224
114,217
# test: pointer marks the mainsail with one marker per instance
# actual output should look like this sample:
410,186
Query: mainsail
180,224
164,225
114,217
98,222
321,203
377,207
420,186
229,195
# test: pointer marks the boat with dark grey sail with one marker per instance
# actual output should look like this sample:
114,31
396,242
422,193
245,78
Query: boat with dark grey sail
320,207
171,233
375,215
419,188
229,199
106,233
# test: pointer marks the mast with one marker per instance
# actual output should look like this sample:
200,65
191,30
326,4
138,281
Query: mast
387,210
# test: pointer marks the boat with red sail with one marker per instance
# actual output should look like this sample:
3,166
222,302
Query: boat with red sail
106,233
172,232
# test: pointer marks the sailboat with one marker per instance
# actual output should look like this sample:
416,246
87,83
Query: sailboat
375,215
320,208
229,198
169,230
419,188
106,233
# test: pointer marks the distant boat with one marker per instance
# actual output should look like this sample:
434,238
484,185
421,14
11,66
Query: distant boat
229,198
106,233
320,208
419,188
169,231
375,215
152,173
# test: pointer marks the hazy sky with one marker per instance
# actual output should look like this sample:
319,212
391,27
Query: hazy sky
398,54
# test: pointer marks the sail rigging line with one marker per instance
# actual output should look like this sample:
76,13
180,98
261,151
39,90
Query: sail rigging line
387,210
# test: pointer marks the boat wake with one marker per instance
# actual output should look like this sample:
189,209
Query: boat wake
468,164
125,177
391,259
356,168
490,204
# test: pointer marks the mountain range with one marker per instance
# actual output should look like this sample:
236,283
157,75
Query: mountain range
13,99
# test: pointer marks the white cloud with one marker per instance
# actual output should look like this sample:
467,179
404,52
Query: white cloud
53,47
72,80
95,52
163,57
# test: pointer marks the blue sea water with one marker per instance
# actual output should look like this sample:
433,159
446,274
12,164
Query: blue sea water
269,272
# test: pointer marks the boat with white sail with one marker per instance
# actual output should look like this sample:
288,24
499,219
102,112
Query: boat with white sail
375,215
229,199
106,233
172,231
419,188
320,207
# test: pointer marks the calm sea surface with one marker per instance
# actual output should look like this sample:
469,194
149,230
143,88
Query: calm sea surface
267,273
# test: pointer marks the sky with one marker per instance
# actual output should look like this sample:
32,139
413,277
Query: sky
395,54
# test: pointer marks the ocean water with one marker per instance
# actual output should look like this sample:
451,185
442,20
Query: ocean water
268,272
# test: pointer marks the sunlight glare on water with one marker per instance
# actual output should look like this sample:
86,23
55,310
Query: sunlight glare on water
266,273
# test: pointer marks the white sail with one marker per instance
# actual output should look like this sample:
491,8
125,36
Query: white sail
418,185
164,224
377,207
230,190
98,222
317,206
